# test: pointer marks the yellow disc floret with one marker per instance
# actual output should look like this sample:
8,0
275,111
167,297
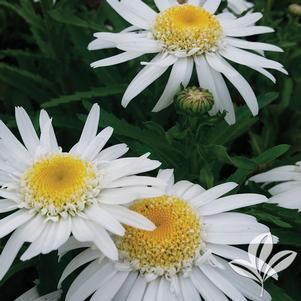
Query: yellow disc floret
187,28
59,183
172,246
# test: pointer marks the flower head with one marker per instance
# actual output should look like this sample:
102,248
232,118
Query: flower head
194,100
181,258
286,193
183,36
50,194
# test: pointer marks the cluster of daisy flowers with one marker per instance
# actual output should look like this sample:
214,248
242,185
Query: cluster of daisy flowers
143,237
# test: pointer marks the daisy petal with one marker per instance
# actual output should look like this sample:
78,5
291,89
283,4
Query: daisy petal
27,131
212,5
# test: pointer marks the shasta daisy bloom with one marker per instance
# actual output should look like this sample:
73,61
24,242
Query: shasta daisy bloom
50,194
33,295
287,193
181,258
183,36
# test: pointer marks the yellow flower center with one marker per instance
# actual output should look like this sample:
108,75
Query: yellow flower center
172,246
187,27
59,183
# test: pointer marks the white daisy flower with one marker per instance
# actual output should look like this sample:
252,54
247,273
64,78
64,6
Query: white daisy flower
51,194
287,193
181,259
184,36
33,295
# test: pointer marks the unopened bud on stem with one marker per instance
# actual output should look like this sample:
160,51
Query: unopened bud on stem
194,100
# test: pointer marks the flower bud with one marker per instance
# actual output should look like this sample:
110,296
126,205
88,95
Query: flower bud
295,9
194,100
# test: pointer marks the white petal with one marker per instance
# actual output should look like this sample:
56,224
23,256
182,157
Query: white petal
247,31
63,231
222,283
13,221
145,78
192,192
246,286
188,73
141,45
79,292
173,85
110,288
72,244
212,194
236,79
151,291
265,73
283,173
44,119
210,79
232,202
129,217
162,4
124,291
228,252
212,5
253,45
224,96
282,187
167,176
113,152
164,292
137,291
104,242
125,195
89,131
249,59
116,59
78,261
289,199
207,289
27,131
138,6
96,145
10,251
246,20
7,205
126,12
30,295
188,290
136,181
36,246
98,44
13,143
81,230
105,219
179,188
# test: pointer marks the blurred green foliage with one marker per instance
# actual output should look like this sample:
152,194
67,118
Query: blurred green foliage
45,64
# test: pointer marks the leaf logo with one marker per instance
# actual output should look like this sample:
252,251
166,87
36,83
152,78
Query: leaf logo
257,267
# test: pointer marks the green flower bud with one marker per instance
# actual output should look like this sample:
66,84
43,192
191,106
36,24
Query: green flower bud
295,9
194,100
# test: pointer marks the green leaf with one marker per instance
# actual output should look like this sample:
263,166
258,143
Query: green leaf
79,96
223,133
157,143
272,154
278,294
